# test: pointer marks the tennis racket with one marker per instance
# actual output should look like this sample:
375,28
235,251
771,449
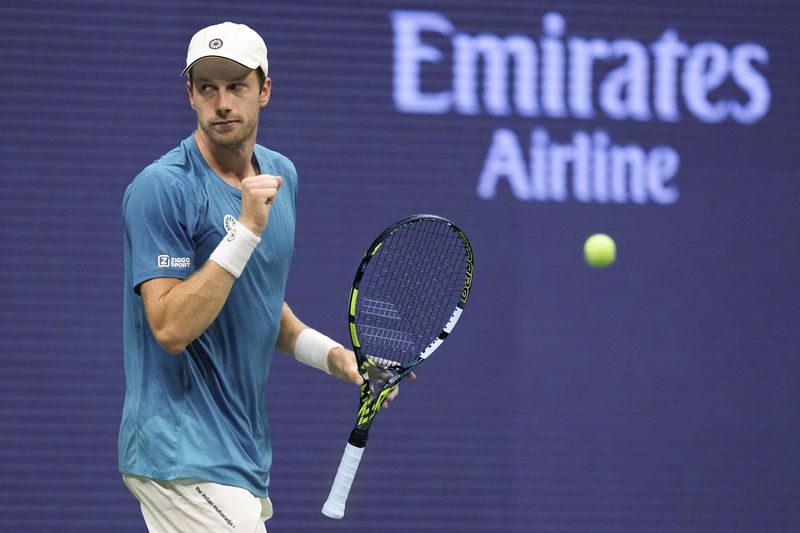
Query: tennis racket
407,296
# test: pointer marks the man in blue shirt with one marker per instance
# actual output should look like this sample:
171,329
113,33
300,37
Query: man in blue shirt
209,238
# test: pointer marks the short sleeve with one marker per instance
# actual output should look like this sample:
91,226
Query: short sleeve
160,215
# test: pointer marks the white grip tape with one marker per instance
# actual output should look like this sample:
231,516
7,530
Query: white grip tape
312,347
235,249
334,505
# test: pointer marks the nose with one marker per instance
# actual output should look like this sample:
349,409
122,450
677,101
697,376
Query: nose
223,103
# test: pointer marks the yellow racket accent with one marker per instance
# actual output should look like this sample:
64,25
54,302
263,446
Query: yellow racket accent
369,409
353,298
354,336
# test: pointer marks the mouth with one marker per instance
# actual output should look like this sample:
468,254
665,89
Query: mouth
224,124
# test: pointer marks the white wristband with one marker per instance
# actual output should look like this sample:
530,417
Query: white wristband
235,249
312,348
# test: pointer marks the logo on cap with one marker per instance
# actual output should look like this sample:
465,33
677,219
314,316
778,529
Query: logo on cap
215,43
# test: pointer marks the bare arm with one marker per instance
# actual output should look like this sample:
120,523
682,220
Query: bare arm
341,362
291,327
178,311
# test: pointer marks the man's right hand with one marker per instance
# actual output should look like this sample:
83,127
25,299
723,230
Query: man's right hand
258,193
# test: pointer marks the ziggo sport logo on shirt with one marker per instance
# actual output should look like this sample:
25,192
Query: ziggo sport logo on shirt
165,261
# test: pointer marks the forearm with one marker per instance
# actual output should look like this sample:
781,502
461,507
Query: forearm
179,311
290,329
315,349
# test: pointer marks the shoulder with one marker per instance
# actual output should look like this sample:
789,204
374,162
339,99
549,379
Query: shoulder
276,163
170,175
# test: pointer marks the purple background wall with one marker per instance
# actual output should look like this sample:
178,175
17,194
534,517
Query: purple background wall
659,395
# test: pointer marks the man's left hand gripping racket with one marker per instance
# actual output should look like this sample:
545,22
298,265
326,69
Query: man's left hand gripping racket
407,296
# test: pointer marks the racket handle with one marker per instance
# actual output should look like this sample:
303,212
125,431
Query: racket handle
334,505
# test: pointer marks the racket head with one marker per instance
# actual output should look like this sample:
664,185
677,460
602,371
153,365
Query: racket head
408,292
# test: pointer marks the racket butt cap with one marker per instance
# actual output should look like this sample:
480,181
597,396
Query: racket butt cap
333,511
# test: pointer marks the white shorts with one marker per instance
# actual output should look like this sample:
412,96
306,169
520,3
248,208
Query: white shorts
187,505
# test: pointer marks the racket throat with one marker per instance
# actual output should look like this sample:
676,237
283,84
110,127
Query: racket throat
358,438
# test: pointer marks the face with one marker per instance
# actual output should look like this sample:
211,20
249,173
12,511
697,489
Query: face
227,98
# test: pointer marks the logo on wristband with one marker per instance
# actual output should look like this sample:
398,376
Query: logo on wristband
229,222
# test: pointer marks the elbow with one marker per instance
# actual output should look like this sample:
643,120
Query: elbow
170,341
174,349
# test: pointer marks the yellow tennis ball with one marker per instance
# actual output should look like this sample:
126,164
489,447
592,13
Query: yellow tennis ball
599,250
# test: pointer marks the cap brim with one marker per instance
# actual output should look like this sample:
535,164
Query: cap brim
230,57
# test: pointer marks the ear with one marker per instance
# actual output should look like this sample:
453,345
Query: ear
265,92
191,97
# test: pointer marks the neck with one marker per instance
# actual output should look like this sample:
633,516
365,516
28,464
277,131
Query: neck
232,163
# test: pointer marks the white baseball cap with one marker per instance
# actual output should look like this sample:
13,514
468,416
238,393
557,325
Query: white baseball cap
236,42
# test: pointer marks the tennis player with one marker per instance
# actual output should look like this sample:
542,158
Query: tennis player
209,238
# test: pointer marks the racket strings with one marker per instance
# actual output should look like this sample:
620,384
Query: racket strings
409,290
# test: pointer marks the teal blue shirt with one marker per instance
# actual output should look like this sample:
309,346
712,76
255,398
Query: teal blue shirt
200,414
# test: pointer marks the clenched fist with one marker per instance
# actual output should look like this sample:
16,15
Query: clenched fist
258,193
